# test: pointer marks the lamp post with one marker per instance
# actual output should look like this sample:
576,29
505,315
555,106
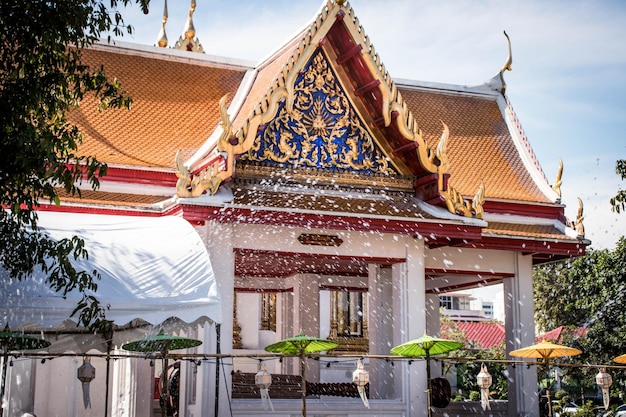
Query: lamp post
85,374
360,377
484,380
263,380
604,381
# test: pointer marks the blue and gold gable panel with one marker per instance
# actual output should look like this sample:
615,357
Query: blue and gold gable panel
324,131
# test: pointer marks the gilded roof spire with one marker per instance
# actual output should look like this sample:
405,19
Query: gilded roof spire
190,31
189,42
162,39
558,182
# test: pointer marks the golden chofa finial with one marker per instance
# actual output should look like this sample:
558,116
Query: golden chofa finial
190,31
189,42
507,65
340,2
162,39
558,182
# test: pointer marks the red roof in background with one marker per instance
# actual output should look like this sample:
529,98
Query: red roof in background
556,335
481,334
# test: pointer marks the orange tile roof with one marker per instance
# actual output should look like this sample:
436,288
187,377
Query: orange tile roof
175,106
480,147
525,230
267,73
110,198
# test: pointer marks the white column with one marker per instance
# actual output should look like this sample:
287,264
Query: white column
409,295
433,328
380,331
219,243
309,317
520,332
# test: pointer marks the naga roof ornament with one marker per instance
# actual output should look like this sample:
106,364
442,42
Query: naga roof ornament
209,177
283,103
578,223
162,38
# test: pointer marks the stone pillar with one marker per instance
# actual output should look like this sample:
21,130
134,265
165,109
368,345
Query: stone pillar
380,332
520,332
409,297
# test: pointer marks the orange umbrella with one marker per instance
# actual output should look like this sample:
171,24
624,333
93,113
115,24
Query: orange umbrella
620,359
546,350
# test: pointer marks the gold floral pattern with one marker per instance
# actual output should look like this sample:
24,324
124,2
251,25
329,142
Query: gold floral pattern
323,131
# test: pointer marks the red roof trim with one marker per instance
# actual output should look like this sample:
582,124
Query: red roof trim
138,176
262,290
343,288
543,246
438,271
555,212
284,218
469,285
172,211
372,259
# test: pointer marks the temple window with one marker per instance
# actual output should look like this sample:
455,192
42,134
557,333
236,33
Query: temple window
268,311
348,320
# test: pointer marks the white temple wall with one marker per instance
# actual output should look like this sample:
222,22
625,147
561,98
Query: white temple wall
355,243
468,259
20,387
381,335
249,317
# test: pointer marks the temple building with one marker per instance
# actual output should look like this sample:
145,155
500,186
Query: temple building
330,199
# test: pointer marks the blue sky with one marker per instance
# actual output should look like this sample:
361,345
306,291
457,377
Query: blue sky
568,84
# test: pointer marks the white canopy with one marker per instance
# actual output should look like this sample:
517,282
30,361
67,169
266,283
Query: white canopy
152,268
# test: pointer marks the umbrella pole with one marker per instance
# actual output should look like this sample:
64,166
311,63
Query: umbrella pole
5,357
303,374
165,394
428,390
106,387
548,388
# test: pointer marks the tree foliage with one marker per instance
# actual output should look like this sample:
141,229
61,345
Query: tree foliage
586,296
618,202
42,78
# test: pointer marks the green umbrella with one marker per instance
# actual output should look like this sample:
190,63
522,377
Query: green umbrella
9,341
300,345
426,346
162,343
